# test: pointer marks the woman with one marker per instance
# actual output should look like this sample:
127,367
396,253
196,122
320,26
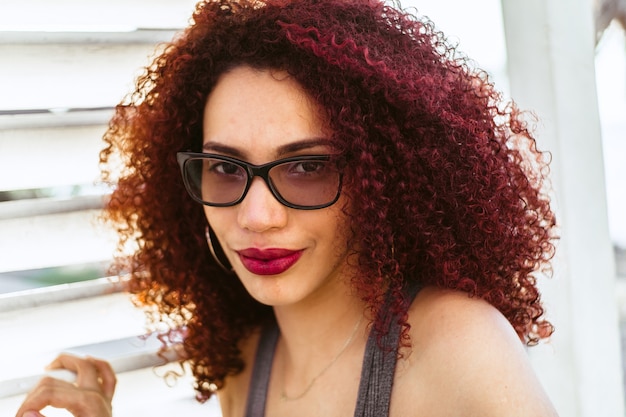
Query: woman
371,218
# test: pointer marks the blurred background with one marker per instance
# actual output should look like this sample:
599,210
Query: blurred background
64,65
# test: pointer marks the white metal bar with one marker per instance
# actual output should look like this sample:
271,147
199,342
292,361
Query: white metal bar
37,297
551,55
40,158
38,118
137,36
69,75
43,206
124,355
54,240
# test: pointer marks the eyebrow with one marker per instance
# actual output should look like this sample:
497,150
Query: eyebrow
280,151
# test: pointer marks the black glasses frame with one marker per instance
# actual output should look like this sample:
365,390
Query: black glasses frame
254,171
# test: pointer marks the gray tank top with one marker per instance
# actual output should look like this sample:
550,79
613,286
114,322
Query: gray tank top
377,374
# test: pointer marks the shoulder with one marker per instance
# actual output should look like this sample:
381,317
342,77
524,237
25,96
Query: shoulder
466,359
233,396
445,314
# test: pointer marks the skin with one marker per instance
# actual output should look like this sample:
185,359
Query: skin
278,115
261,117
465,359
90,396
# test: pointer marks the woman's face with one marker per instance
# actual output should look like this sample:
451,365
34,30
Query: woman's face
282,255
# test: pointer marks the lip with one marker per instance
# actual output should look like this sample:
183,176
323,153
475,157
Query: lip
271,261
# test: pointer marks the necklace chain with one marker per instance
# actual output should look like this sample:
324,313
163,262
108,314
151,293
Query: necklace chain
283,394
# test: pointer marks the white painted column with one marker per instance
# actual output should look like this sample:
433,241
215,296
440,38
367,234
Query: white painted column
550,47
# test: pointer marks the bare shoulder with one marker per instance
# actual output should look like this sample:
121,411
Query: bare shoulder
466,359
234,394
440,311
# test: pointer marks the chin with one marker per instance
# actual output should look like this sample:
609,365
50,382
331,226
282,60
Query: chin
266,289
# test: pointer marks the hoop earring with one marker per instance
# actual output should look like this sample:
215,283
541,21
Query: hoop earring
208,232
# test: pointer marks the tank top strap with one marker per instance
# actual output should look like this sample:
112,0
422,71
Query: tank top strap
379,365
377,374
259,382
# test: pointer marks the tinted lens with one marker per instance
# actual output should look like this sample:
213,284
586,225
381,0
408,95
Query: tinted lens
306,183
215,181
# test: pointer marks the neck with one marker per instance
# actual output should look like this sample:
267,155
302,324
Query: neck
316,334
320,319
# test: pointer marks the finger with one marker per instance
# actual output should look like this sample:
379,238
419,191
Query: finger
87,375
60,394
107,377
31,413
92,373
49,391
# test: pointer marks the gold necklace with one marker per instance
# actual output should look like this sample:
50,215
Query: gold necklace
283,394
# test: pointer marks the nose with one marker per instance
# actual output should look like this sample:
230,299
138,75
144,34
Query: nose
260,211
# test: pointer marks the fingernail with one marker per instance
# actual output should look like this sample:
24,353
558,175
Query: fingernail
31,414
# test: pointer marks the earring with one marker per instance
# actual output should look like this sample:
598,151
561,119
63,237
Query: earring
208,232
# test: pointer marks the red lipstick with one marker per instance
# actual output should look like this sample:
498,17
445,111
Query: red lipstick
268,261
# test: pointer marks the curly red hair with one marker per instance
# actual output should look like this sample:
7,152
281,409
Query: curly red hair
445,182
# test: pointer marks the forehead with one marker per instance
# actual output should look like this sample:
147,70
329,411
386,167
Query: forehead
259,111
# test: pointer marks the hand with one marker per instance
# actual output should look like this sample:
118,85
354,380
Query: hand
89,396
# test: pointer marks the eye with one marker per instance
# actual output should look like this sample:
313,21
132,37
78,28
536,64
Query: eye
306,167
225,168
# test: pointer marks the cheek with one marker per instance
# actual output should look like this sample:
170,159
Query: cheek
339,226
216,218
207,214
